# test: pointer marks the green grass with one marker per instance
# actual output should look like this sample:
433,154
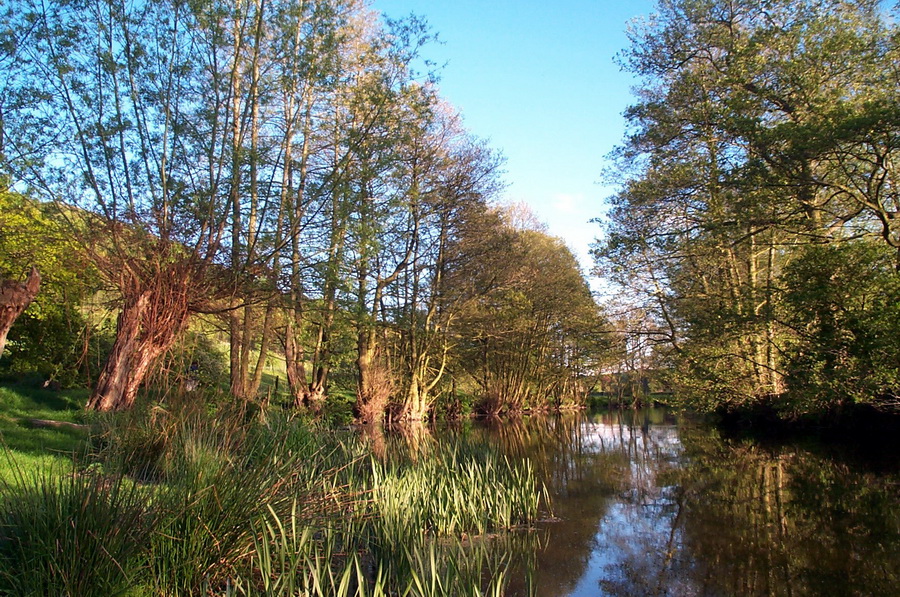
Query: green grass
22,400
71,533
29,448
184,499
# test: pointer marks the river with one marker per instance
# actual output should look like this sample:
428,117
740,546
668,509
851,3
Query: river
646,504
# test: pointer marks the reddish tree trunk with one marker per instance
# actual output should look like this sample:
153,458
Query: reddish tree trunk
306,393
147,327
315,394
15,298
375,382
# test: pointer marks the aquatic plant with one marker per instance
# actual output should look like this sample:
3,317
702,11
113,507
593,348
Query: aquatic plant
460,488
263,505
291,558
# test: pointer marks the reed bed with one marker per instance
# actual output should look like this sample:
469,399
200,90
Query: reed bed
231,503
461,488
73,533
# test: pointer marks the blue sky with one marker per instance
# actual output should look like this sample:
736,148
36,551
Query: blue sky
538,80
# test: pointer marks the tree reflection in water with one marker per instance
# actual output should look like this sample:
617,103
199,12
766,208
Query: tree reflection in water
646,507
778,521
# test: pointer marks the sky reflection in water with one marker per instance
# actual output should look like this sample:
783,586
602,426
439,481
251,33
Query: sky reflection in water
650,507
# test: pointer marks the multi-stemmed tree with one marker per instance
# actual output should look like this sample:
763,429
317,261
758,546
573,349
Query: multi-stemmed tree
281,166
759,128
173,128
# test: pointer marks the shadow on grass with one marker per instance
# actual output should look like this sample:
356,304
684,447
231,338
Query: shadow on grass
21,436
30,447
24,401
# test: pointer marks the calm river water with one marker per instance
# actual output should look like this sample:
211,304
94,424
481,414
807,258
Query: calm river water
649,505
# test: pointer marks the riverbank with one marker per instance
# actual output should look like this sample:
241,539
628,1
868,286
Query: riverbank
190,501
855,428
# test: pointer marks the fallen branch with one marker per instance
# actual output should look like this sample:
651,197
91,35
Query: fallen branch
48,423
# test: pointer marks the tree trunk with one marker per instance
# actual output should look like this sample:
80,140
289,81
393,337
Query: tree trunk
306,393
238,261
293,361
365,350
252,387
153,317
15,298
374,382
235,329
414,406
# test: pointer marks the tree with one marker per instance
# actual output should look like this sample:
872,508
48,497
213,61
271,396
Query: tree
15,298
531,335
131,126
843,303
202,142
383,221
52,337
356,112
451,177
748,140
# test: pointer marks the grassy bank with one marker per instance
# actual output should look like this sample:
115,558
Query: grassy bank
183,501
40,429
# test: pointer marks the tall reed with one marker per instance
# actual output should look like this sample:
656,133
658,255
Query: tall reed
263,504
461,488
72,533
293,558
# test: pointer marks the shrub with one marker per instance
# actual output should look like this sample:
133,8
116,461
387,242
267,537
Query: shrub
843,303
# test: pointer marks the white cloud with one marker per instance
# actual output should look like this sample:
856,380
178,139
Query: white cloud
567,202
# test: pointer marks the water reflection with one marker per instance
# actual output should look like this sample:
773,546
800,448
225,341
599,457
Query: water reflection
399,442
784,521
646,506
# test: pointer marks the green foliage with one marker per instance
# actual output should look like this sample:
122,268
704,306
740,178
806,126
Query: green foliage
749,142
531,336
843,302
202,534
56,342
458,402
338,409
196,361
187,499
53,337
291,558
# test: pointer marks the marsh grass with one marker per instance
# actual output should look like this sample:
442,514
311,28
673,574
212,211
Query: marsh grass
291,558
460,488
71,533
250,502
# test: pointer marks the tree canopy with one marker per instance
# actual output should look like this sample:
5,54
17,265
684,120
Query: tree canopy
282,169
760,128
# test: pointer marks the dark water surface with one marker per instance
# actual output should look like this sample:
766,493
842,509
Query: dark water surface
649,505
